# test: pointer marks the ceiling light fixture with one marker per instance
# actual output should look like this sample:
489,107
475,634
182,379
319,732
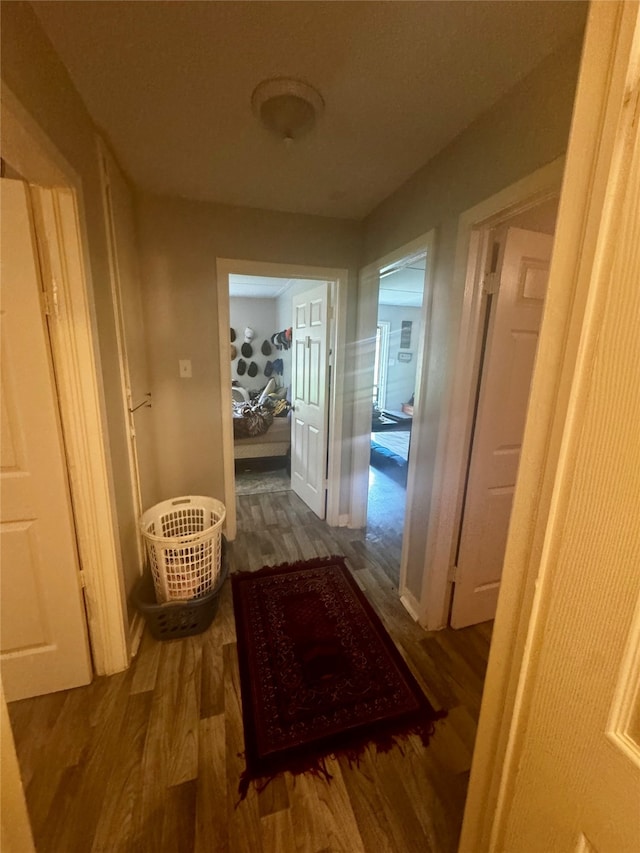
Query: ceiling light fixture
289,108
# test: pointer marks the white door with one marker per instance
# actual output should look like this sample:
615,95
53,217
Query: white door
514,323
575,777
309,395
43,637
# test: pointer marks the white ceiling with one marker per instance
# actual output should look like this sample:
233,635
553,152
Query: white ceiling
403,287
258,286
170,85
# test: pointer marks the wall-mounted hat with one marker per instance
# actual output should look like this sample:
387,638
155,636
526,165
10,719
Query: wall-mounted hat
242,366
246,350
232,334
249,334
234,353
268,368
253,369
265,348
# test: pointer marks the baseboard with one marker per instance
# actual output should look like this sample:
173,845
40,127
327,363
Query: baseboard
411,605
135,634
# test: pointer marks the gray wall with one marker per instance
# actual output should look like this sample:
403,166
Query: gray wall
179,243
525,130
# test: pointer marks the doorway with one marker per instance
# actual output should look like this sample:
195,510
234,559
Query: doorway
261,319
392,354
273,372
399,336
514,282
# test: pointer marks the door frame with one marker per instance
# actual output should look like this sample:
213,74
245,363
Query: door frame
74,343
337,344
367,319
473,242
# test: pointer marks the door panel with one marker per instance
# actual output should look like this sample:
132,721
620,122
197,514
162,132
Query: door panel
514,323
309,394
43,643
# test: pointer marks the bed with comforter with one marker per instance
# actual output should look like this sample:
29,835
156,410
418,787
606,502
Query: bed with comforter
261,426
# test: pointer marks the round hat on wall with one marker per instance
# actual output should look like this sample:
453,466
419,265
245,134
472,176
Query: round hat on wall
242,366
266,348
232,334
246,349
253,369
234,353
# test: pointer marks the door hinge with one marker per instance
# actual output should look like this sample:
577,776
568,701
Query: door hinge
452,574
83,579
491,283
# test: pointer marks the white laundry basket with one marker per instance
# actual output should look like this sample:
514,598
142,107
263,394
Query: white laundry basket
183,539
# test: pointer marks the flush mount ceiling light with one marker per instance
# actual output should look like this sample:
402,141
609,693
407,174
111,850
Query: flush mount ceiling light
289,108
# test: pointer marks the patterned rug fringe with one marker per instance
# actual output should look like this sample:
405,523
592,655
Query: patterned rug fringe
316,764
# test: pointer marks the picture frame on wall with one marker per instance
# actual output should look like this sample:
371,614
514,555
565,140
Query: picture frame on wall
405,334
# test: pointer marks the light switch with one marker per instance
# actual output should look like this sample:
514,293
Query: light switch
185,368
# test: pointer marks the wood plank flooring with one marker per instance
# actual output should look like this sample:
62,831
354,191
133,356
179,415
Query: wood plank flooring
149,759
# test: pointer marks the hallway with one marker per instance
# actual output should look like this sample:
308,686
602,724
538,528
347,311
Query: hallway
147,760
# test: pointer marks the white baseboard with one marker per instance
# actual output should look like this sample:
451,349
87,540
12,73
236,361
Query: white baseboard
135,634
411,604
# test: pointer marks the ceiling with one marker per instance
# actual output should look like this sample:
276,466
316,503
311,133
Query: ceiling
260,286
170,84
402,287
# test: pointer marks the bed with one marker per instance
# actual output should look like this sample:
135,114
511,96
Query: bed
269,444
391,448
276,441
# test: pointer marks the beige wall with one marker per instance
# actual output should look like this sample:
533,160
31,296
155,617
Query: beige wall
179,243
33,72
526,129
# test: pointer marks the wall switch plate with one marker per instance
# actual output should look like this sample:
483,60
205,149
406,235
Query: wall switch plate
185,368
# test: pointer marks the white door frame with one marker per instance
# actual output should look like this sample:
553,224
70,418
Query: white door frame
368,294
606,97
474,230
60,215
337,343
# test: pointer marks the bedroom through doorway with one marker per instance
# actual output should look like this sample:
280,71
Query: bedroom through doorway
261,341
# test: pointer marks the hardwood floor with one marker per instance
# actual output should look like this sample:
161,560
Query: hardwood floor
149,759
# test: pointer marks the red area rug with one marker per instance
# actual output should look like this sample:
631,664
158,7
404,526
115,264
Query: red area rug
319,674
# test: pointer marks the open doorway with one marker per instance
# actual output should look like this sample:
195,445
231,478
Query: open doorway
261,319
399,335
288,331
391,366
514,284
482,426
